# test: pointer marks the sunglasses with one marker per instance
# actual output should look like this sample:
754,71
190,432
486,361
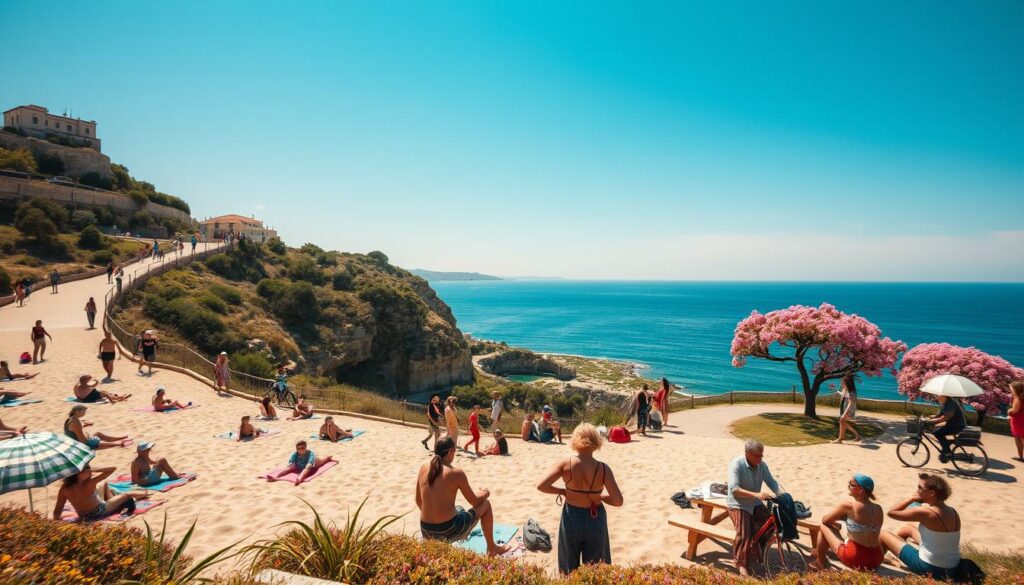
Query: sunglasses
854,484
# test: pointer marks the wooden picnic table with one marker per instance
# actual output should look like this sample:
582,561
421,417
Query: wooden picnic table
712,512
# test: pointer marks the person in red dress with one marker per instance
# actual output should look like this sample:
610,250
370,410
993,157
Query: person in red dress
474,429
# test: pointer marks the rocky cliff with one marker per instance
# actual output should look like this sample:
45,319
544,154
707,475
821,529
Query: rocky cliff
521,361
77,161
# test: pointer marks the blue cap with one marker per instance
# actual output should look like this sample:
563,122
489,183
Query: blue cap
864,481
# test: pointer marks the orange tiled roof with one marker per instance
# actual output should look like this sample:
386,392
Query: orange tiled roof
232,218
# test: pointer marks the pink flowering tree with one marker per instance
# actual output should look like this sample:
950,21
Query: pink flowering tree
928,360
824,343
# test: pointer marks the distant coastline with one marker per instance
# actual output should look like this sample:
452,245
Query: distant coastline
437,276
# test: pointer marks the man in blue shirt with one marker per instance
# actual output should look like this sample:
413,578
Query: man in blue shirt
748,474
951,421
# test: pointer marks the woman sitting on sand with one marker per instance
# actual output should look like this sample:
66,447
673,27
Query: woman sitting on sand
74,427
499,446
937,532
5,373
529,430
6,395
302,410
303,463
862,550
7,432
246,430
80,491
85,391
162,403
267,410
583,531
332,432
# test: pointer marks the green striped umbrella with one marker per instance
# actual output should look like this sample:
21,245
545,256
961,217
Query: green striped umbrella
39,459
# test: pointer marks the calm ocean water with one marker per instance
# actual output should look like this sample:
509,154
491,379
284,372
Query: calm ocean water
683,330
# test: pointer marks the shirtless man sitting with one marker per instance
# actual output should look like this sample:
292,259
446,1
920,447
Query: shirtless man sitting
162,403
246,430
80,491
302,410
146,471
85,391
437,486
332,432
5,373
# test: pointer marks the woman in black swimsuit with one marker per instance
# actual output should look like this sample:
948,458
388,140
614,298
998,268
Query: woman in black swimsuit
583,530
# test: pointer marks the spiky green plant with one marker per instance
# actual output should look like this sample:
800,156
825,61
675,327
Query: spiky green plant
321,550
175,569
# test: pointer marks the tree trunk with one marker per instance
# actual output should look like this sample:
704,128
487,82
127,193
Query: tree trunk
809,393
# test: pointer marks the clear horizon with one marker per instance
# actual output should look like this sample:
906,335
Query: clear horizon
589,141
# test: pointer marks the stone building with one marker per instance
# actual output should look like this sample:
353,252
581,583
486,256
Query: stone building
217,228
38,122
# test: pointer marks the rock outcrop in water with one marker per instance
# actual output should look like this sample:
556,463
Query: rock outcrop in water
521,361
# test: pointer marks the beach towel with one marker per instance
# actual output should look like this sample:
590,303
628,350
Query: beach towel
172,409
233,435
141,507
502,533
77,401
261,417
17,402
356,433
123,483
292,475
315,416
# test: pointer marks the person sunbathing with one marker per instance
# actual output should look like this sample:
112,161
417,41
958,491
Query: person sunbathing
85,391
267,410
332,432
74,427
246,430
162,403
861,550
529,429
7,432
303,463
6,374
302,410
6,395
437,486
499,446
146,471
80,491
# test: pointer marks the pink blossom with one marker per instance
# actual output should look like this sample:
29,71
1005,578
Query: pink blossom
928,360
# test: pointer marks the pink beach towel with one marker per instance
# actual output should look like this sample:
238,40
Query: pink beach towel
141,507
292,476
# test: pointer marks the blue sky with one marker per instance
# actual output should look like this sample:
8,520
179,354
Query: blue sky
785,140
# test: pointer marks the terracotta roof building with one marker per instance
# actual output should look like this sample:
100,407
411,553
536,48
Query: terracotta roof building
217,228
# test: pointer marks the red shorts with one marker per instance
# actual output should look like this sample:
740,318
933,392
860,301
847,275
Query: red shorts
860,557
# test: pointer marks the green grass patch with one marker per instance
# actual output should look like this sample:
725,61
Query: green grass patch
777,429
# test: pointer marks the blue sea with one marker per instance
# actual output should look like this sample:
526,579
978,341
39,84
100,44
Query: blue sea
683,330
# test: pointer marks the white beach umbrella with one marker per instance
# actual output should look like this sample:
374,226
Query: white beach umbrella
951,386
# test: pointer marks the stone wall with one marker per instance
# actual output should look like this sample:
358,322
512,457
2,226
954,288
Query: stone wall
22,189
77,161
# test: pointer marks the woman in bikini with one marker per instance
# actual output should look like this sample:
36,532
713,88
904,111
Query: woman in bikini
74,427
583,530
162,403
332,432
6,374
80,491
862,549
848,392
85,391
267,410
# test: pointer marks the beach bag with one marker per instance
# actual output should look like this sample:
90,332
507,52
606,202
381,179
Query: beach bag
785,517
967,571
26,358
680,499
535,538
618,434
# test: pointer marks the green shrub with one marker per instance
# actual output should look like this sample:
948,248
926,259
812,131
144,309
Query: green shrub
5,282
255,364
80,218
213,302
7,246
139,199
93,179
342,280
197,323
30,261
20,159
220,264
49,164
298,305
33,223
304,268
103,257
271,288
277,246
311,249
228,294
91,239
53,211
379,257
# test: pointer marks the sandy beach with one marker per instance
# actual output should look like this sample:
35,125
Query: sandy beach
231,503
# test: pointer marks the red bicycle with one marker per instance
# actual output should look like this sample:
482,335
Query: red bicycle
780,555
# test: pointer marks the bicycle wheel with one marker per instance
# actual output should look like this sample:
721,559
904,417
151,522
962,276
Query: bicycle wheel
286,398
970,459
782,556
913,452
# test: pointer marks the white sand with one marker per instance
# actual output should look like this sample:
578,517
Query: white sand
232,504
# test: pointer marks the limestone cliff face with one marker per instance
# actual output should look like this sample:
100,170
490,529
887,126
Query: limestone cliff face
77,161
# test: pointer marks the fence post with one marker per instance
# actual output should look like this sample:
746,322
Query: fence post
404,408
691,402
794,393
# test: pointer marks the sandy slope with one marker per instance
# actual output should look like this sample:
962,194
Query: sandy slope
231,503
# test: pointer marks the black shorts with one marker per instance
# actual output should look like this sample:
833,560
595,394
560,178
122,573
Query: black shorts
93,396
107,356
149,356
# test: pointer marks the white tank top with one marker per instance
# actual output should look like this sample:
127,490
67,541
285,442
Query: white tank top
940,549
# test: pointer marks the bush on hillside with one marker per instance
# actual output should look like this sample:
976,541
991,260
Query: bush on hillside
298,305
49,164
311,249
139,199
103,257
226,293
19,159
53,211
378,257
80,218
342,280
93,179
5,282
271,288
33,223
255,364
213,302
122,180
276,246
91,239
195,322
304,268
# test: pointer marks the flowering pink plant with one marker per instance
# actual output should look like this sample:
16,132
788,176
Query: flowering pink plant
928,360
823,341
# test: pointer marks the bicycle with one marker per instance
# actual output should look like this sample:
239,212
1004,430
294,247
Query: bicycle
966,454
280,391
780,555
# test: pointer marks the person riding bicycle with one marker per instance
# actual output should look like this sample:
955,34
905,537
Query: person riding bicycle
952,415
748,474
281,381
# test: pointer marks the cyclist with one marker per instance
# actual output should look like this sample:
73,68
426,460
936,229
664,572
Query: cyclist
748,474
952,415
281,382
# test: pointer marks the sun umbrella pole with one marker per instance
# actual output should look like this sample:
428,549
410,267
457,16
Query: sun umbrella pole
31,504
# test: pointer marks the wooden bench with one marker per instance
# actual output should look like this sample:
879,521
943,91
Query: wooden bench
709,526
